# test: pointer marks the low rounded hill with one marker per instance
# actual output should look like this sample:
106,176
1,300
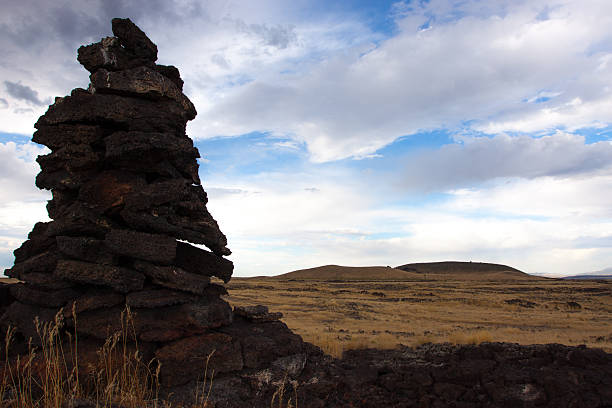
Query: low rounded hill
343,273
466,270
414,271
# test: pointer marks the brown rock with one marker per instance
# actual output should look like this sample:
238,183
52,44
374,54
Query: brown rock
71,157
202,229
27,293
100,323
149,247
108,54
22,317
257,313
175,322
93,300
140,81
107,192
64,178
164,154
159,324
41,263
59,136
157,298
262,343
164,116
222,353
85,249
61,201
134,39
173,277
199,261
172,73
165,193
45,281
78,220
38,242
5,296
120,279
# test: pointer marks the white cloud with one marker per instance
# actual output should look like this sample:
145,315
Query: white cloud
21,203
481,67
478,159
552,225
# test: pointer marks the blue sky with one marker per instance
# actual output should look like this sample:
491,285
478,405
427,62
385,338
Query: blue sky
358,132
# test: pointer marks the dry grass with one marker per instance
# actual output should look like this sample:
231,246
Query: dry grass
48,375
341,315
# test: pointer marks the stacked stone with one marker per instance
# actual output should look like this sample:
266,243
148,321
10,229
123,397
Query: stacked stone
127,206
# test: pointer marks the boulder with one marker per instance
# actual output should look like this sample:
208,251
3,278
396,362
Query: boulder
208,353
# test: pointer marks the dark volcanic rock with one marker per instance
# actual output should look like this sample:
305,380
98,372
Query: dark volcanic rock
95,299
157,298
106,193
22,317
257,313
120,279
173,277
41,263
140,245
58,136
30,294
122,112
134,39
215,351
199,261
140,81
108,54
85,249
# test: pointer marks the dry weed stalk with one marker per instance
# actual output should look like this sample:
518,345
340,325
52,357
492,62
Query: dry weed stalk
43,378
279,395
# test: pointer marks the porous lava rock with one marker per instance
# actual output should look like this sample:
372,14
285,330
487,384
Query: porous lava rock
127,214
127,208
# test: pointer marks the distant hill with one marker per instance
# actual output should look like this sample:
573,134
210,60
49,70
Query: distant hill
595,277
602,274
8,280
466,270
415,271
344,273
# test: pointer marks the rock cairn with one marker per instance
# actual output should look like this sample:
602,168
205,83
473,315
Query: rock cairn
127,205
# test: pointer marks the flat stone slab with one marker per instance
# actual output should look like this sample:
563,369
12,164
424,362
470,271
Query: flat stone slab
199,261
120,279
141,245
173,277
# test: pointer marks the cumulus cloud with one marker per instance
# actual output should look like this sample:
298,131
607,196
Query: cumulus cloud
278,36
24,93
21,203
551,226
476,64
478,159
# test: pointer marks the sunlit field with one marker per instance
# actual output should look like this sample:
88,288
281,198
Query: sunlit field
340,315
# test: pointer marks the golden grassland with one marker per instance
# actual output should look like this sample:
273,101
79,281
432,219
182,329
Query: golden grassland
338,315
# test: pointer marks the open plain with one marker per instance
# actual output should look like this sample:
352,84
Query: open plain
349,313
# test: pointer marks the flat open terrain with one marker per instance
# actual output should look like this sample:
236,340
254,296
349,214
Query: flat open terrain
346,312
